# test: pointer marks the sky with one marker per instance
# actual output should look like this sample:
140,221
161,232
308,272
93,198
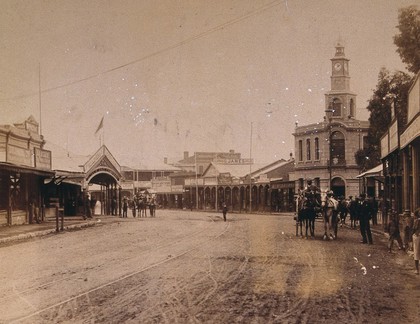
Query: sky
170,76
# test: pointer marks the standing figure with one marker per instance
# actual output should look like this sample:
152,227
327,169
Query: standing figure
364,213
352,207
311,202
113,206
416,239
224,210
133,207
125,207
393,228
88,210
152,206
142,206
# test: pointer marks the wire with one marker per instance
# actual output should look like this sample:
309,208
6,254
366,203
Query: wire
171,47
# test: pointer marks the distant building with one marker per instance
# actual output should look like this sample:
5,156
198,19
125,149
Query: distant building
325,151
201,160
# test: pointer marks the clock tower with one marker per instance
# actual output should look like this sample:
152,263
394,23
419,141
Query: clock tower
340,99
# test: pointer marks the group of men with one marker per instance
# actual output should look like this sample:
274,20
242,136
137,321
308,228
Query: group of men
139,204
360,209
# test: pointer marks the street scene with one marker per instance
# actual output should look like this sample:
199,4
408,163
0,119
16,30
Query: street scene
190,267
209,161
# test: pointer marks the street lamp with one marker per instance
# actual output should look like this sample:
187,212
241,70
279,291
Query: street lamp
329,113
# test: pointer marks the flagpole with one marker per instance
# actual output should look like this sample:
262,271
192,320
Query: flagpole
103,132
196,180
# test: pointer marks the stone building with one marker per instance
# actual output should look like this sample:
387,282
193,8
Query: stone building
325,151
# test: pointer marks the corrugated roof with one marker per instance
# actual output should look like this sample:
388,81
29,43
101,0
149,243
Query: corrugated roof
235,170
270,167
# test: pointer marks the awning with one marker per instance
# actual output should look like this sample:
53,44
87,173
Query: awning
25,170
374,172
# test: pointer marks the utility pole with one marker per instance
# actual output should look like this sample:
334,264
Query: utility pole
329,112
250,170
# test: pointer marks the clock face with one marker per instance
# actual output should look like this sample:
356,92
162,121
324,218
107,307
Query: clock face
337,66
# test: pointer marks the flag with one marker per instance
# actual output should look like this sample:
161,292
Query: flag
101,124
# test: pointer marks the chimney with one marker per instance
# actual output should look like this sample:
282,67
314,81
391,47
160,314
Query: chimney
165,160
186,154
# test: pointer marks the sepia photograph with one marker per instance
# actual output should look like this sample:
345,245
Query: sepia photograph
209,161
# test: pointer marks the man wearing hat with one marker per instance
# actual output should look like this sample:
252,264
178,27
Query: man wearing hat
364,213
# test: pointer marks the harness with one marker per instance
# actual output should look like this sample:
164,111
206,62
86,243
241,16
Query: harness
332,203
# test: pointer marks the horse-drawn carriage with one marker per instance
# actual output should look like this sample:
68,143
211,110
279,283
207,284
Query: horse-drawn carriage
313,204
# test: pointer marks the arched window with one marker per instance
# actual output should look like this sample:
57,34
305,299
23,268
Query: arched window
351,107
337,104
308,149
316,148
300,151
338,148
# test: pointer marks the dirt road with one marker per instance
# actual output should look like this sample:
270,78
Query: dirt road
187,267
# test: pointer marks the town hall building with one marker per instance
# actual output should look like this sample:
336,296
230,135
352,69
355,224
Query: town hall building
325,151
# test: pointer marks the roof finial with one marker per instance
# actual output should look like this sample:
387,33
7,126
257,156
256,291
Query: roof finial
339,48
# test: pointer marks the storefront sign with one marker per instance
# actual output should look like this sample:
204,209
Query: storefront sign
385,145
412,132
161,186
42,159
126,186
18,155
177,188
234,161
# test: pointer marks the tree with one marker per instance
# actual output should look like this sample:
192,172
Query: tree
391,91
408,41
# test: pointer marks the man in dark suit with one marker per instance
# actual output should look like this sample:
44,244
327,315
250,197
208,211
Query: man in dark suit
364,213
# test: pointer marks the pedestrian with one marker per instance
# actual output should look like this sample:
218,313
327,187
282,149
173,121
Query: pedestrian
152,207
88,210
364,214
114,205
224,210
352,207
408,231
416,239
125,207
393,228
133,207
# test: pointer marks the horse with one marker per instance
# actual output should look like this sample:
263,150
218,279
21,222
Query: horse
343,210
330,210
306,212
142,206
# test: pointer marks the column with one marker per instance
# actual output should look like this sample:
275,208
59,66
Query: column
406,179
415,160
